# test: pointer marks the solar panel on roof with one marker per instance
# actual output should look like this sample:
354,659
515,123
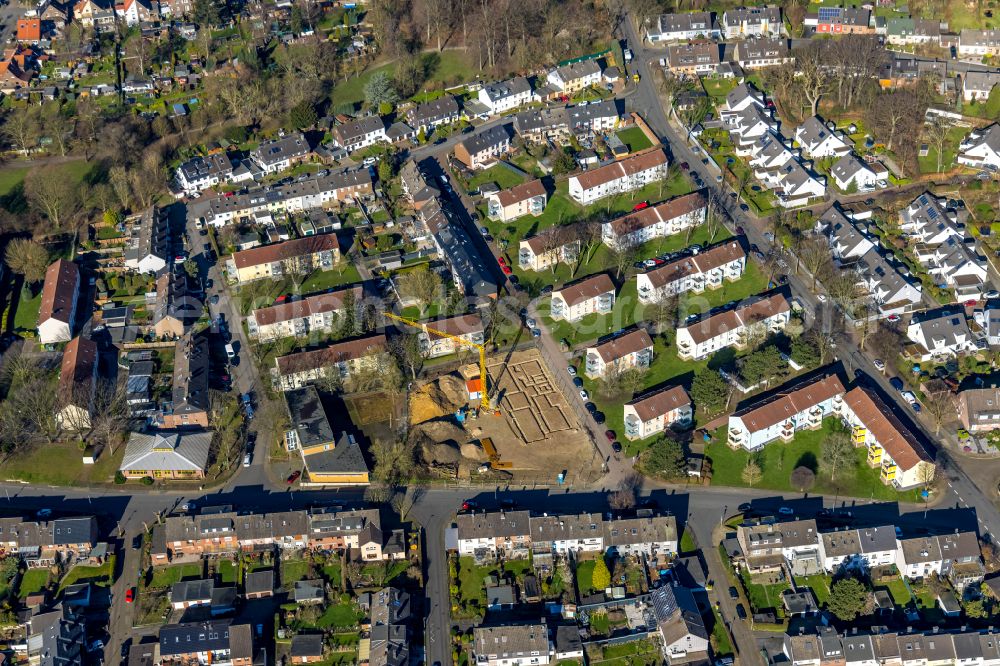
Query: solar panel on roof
827,13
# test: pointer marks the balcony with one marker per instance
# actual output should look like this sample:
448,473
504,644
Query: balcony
633,427
737,437
524,259
888,472
859,436
815,418
875,453
787,431
605,303
556,310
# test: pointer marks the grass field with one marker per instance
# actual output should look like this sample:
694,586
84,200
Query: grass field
777,460
635,139
227,572
99,575
819,584
501,175
898,590
165,577
294,570
928,164
26,317
471,581
762,596
585,577
60,464
445,68
33,580
340,616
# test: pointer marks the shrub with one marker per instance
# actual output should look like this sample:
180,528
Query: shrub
147,480
119,477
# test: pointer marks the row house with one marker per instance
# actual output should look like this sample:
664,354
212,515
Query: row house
188,406
470,272
505,96
893,448
336,362
665,219
430,115
553,246
201,173
524,644
418,185
57,312
467,328
697,58
956,556
175,309
708,269
680,623
299,256
743,22
979,408
748,125
682,27
752,319
484,149
818,139
282,153
148,247
513,534
769,546
574,77
908,31
653,413
301,195
77,385
219,642
44,543
955,264
934,648
592,295
229,532
513,203
632,173
316,314
841,21
940,334
929,220
360,133
978,42
764,52
624,351
560,123
863,549
779,415
981,148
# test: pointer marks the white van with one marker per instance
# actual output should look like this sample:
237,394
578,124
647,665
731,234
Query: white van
230,352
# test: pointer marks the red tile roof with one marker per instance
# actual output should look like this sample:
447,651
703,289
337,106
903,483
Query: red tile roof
661,402
29,30
744,315
521,192
310,305
78,364
785,404
897,440
710,259
299,247
623,345
629,166
591,287
668,210
61,281
336,353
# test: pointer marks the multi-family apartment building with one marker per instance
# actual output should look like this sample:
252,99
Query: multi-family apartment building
335,362
553,246
298,256
360,133
956,556
282,153
753,319
763,52
148,246
696,58
906,31
468,328
863,548
77,385
574,77
623,351
525,199
708,269
979,42
295,197
189,401
631,173
802,404
57,312
218,641
979,409
328,459
505,95
429,115
981,148
540,125
200,173
592,295
940,334
664,219
893,447
654,412
316,314
512,645
819,140
769,546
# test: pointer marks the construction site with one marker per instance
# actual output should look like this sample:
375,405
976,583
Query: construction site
525,428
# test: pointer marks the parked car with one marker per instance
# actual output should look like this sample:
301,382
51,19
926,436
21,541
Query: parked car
293,477
616,447
571,370
733,593
246,459
129,595
590,407
530,322
741,612
879,364
896,383
584,395
908,397
610,434
640,206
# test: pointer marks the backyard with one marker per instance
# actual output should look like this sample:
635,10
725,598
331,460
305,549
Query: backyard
777,460
635,139
445,68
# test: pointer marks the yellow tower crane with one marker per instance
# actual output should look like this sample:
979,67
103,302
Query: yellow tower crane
485,400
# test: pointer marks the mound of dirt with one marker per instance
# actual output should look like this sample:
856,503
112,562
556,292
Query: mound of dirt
439,442
437,398
473,452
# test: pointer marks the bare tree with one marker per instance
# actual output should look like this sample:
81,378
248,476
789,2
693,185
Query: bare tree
20,129
752,473
940,407
53,193
835,453
622,253
936,133
420,284
815,256
407,349
109,422
27,258
813,74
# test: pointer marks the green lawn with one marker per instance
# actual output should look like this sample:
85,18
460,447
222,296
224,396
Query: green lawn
99,575
33,580
165,577
897,589
819,584
26,317
471,581
762,596
585,577
928,164
635,139
777,460
723,645
340,616
10,178
501,175
687,544
717,89
323,280
447,67
294,570
60,464
227,572
13,175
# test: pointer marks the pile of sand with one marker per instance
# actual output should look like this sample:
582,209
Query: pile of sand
438,398
439,442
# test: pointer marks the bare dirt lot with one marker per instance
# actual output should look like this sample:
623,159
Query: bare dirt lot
536,434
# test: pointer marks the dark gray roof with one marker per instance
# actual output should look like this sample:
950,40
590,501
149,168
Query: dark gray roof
260,581
307,416
181,639
192,590
345,457
486,139
307,645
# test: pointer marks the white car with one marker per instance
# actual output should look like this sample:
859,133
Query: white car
530,322
992,293
246,460
909,397
879,364
584,395
821,298
571,370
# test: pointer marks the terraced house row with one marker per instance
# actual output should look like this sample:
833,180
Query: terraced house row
968,648
358,533
799,547
516,534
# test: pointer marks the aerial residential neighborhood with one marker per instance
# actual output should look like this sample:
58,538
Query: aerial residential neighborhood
386,334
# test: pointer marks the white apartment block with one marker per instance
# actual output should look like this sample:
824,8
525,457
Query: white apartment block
593,295
708,269
620,353
652,413
631,173
665,219
750,320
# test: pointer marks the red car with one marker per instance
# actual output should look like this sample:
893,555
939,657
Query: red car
506,270
129,595
501,261
281,299
639,206
610,434
293,477
971,303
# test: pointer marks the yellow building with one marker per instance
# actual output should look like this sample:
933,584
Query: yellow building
329,460
301,255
